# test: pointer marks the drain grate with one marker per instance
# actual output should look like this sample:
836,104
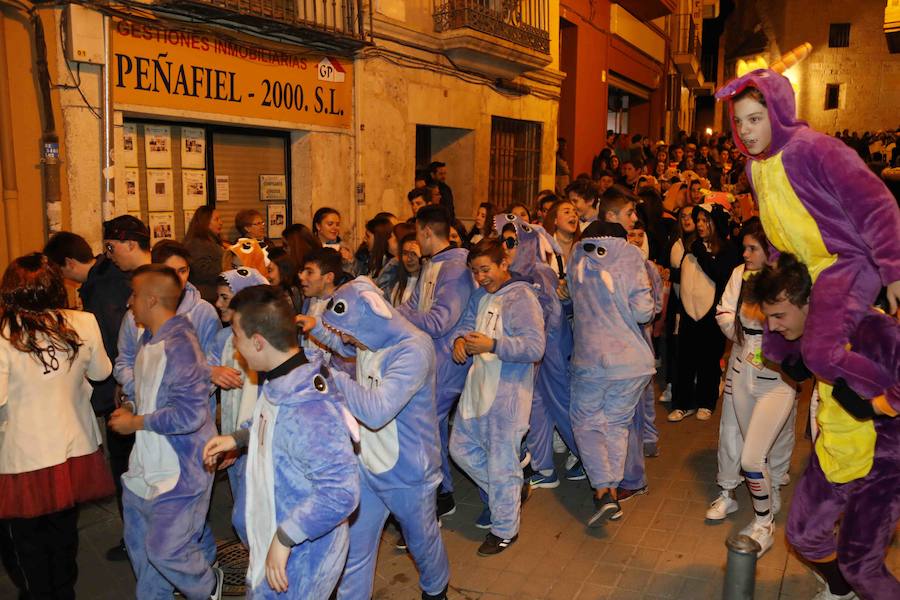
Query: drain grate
233,560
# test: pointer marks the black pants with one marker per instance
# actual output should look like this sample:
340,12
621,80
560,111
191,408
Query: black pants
700,347
119,448
43,552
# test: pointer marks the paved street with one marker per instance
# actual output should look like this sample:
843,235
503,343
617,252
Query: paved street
660,549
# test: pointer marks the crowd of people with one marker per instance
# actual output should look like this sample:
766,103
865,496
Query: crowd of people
337,386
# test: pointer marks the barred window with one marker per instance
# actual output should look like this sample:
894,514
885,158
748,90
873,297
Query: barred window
832,96
839,35
515,161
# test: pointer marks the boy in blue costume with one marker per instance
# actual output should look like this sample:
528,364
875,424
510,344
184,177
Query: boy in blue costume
525,245
399,462
503,330
167,488
301,478
435,307
611,361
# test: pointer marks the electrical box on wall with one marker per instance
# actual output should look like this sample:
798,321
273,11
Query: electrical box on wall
84,35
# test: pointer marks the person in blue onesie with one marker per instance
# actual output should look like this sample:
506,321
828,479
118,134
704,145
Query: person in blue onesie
435,307
525,245
301,479
399,459
611,361
502,331
166,488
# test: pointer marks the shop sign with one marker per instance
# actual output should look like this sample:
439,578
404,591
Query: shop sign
161,66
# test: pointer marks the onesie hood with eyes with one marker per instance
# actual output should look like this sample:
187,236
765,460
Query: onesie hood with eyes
533,242
359,309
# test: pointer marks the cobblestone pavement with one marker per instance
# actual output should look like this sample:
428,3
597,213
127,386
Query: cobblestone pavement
662,548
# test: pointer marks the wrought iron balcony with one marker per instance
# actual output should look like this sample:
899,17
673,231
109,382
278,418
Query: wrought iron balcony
522,22
324,23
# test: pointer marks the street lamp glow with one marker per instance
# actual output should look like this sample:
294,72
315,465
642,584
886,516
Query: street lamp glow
709,131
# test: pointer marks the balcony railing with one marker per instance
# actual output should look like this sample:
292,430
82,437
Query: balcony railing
522,22
321,20
684,36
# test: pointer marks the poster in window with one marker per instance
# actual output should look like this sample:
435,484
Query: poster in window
159,190
223,188
133,190
276,220
162,226
158,139
129,145
193,148
193,188
272,187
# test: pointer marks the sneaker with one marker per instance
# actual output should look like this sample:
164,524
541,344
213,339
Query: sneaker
220,582
776,500
446,506
539,480
666,396
571,461
401,543
117,553
762,532
651,449
559,446
484,519
722,506
704,414
623,494
442,595
576,473
606,508
827,595
680,415
495,545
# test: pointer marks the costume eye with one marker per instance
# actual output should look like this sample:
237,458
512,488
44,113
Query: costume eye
246,247
601,251
526,228
510,217
339,308
320,384
243,272
588,248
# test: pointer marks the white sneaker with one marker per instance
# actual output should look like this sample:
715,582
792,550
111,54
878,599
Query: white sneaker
559,446
827,595
220,582
776,500
680,415
704,414
761,531
571,461
722,506
666,396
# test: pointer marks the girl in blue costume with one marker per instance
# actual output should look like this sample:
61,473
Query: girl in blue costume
503,331
302,483
392,398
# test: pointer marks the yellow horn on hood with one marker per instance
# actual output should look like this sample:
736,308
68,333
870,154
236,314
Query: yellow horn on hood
791,58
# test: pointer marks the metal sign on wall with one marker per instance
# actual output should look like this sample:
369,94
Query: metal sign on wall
161,66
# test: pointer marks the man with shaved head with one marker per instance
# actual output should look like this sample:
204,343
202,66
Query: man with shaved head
166,488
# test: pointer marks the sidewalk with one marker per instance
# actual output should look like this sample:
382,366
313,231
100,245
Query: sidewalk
662,548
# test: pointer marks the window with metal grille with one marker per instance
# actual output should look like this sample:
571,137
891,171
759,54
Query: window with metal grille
832,96
515,161
839,35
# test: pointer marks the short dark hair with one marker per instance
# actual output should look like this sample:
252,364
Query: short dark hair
585,189
614,199
492,248
163,250
327,259
421,192
436,217
789,277
434,166
265,310
65,244
421,175
165,272
549,199
605,173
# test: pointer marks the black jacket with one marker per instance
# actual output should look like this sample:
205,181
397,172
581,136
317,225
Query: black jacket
105,294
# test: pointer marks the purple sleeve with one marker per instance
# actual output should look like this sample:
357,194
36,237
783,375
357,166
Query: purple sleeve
186,406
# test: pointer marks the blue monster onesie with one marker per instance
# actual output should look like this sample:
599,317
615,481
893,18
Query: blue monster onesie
550,407
495,405
436,305
302,482
611,361
393,400
167,489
